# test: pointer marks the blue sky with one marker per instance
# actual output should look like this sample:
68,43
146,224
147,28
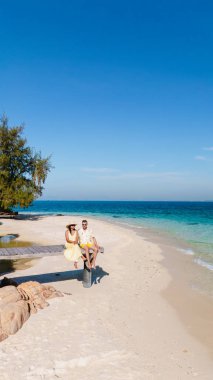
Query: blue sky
119,92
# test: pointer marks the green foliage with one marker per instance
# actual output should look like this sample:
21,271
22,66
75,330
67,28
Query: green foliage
22,172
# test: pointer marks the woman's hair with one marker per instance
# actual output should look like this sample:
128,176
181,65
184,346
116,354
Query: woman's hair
69,227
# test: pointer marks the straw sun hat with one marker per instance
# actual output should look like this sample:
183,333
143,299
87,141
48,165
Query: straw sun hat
71,224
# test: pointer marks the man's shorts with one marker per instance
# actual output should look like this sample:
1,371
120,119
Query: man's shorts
89,245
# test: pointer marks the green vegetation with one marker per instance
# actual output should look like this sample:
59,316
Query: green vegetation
22,171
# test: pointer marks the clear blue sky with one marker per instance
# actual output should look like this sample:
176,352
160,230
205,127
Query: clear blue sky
119,92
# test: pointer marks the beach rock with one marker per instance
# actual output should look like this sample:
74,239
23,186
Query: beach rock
9,294
13,316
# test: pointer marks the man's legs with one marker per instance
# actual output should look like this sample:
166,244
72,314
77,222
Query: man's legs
95,250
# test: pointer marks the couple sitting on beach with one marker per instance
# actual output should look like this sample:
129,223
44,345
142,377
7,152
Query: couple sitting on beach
83,237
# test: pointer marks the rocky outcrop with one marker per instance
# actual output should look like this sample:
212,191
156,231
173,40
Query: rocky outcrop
17,303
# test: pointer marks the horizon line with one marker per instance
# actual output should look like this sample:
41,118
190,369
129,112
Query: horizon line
116,200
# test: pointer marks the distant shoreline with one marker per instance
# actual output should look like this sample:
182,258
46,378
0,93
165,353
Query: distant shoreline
190,222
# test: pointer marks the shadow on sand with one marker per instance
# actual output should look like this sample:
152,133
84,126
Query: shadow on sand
43,278
23,217
30,217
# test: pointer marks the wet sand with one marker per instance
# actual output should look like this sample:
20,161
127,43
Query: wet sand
8,266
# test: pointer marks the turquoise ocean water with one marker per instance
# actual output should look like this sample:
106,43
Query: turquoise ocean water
190,222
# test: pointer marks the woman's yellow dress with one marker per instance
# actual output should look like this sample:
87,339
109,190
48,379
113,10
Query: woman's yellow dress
72,251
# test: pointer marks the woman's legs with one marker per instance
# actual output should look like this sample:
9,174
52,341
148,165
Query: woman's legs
87,256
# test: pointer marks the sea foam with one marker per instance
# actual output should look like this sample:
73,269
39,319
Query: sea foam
187,251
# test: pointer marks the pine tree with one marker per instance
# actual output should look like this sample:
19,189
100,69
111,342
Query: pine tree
22,172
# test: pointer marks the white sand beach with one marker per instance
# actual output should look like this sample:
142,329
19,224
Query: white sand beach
122,328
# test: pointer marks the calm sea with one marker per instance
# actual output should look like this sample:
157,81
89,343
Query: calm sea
191,222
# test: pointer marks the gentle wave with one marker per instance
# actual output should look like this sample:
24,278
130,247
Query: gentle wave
187,251
204,264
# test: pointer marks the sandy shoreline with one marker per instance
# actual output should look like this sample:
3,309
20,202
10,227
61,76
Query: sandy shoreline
121,328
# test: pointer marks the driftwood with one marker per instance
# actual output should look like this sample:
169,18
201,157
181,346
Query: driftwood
8,215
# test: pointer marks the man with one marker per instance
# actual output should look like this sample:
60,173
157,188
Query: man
87,241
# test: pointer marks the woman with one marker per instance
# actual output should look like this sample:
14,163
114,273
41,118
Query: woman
72,251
